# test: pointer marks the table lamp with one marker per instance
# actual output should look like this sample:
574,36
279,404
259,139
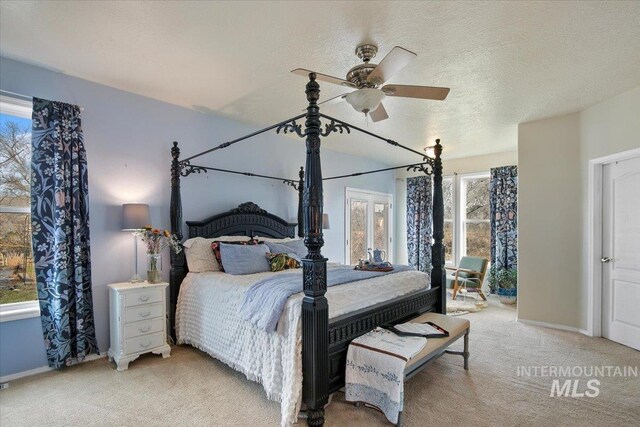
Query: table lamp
135,217
325,221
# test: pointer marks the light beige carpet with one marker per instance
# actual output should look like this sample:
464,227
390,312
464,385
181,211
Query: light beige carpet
192,389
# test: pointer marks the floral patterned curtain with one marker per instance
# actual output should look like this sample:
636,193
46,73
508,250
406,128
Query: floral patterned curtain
503,193
60,216
419,222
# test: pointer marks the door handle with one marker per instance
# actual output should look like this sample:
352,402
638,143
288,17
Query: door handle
606,260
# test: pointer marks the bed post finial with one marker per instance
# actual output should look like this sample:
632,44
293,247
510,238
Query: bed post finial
437,250
315,310
177,272
300,202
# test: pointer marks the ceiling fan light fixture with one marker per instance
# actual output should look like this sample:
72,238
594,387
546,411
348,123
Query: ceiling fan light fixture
365,100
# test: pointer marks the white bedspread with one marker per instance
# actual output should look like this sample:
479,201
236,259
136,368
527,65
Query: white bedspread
207,318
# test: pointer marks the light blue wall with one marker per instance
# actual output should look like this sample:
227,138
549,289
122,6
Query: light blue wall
128,138
21,346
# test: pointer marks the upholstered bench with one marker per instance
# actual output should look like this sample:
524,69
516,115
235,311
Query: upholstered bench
436,347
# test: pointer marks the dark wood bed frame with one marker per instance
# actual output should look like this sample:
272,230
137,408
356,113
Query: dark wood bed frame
324,341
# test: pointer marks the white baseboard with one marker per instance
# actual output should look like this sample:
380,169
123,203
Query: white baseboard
554,326
43,369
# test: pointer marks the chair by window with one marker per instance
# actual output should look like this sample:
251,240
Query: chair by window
468,275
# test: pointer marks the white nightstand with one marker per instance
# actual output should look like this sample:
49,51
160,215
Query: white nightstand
138,313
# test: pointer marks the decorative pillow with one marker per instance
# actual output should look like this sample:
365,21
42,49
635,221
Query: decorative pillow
279,262
198,252
215,250
294,248
244,259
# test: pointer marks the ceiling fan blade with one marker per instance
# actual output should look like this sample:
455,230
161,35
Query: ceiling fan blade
324,77
378,114
395,61
421,92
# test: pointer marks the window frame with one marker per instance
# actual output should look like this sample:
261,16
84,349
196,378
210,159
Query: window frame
458,195
453,220
462,211
371,197
25,309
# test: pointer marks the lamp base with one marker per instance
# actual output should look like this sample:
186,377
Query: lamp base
136,279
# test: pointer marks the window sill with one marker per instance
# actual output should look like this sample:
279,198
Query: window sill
19,310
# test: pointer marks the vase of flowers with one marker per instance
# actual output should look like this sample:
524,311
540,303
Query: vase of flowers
156,240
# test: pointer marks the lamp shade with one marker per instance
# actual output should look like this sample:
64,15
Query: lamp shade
365,100
325,221
135,216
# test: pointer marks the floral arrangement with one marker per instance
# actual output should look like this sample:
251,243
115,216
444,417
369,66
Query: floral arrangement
156,240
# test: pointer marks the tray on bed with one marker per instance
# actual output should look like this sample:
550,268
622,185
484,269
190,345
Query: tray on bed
369,266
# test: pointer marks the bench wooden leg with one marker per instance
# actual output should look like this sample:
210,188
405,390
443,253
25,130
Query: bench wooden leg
465,353
399,423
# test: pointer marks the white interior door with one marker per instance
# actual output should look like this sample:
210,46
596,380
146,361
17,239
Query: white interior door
369,224
621,252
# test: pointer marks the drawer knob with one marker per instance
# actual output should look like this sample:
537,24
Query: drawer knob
144,313
146,344
144,298
145,329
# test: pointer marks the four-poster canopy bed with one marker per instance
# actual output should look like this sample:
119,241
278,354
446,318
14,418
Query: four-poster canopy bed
324,341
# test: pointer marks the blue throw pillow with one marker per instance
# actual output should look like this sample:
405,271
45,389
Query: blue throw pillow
244,259
295,248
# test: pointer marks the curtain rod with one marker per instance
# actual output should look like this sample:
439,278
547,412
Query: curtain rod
21,96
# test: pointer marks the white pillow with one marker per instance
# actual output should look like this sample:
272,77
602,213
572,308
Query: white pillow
199,254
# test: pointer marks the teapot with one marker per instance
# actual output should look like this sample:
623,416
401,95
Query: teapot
377,255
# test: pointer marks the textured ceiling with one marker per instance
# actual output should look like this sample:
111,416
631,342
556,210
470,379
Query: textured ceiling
505,63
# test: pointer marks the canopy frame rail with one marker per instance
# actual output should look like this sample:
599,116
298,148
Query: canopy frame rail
289,124
293,127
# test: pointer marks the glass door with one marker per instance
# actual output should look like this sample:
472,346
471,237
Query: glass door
358,229
368,223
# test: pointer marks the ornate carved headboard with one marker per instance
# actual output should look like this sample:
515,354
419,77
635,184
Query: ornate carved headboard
248,219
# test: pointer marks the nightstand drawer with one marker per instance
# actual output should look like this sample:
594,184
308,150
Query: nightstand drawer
146,296
144,343
142,312
144,327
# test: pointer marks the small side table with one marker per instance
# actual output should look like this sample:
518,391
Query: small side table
137,313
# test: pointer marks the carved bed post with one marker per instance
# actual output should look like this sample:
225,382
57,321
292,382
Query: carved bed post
300,203
315,310
437,250
178,261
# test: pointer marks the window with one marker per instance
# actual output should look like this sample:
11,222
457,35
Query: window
17,274
474,200
369,224
449,218
466,216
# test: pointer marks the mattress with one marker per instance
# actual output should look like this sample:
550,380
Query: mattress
207,318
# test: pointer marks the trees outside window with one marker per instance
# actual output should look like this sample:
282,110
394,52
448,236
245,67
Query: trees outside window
17,275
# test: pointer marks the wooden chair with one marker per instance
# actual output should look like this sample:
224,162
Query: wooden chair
468,275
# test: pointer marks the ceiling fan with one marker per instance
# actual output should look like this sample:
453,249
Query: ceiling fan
368,80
